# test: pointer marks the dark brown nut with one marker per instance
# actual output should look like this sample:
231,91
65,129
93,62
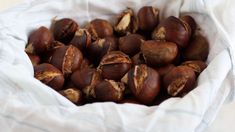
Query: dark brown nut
191,22
179,81
99,28
127,22
81,39
49,75
101,47
198,49
174,30
64,30
85,64
148,17
138,59
197,66
46,57
72,94
67,59
35,60
114,65
144,82
109,90
39,41
86,79
164,69
130,44
157,53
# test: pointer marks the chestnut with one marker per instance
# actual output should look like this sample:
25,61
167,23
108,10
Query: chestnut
138,59
109,90
127,22
100,47
191,22
148,17
64,30
157,53
46,57
72,94
114,65
81,39
49,75
67,59
130,44
85,63
197,66
179,81
35,60
198,49
39,41
86,79
163,70
99,28
144,83
174,30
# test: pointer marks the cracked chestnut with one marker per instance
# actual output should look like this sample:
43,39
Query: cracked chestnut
114,65
67,59
197,66
72,94
191,22
49,75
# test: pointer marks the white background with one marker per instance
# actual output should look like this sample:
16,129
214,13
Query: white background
224,122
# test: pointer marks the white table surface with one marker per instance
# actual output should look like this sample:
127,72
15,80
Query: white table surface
224,122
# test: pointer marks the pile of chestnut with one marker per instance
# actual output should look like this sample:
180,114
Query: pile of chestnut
139,59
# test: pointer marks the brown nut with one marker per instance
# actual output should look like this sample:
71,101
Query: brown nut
144,82
138,59
191,22
114,65
86,79
174,30
130,44
49,75
198,49
35,60
197,66
179,81
157,53
148,17
101,47
127,22
164,69
64,30
109,90
99,28
39,41
46,57
67,59
72,94
85,64
81,39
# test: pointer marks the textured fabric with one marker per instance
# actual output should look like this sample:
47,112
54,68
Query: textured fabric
28,105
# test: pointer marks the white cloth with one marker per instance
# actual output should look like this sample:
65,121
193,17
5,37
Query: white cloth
27,105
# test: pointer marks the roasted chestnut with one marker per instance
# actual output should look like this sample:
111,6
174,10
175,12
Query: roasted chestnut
130,44
46,57
114,65
127,22
100,47
109,90
86,79
64,30
99,28
35,60
197,66
81,39
198,49
174,30
191,22
144,82
72,94
148,17
49,75
179,81
138,59
157,53
67,59
163,70
39,41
